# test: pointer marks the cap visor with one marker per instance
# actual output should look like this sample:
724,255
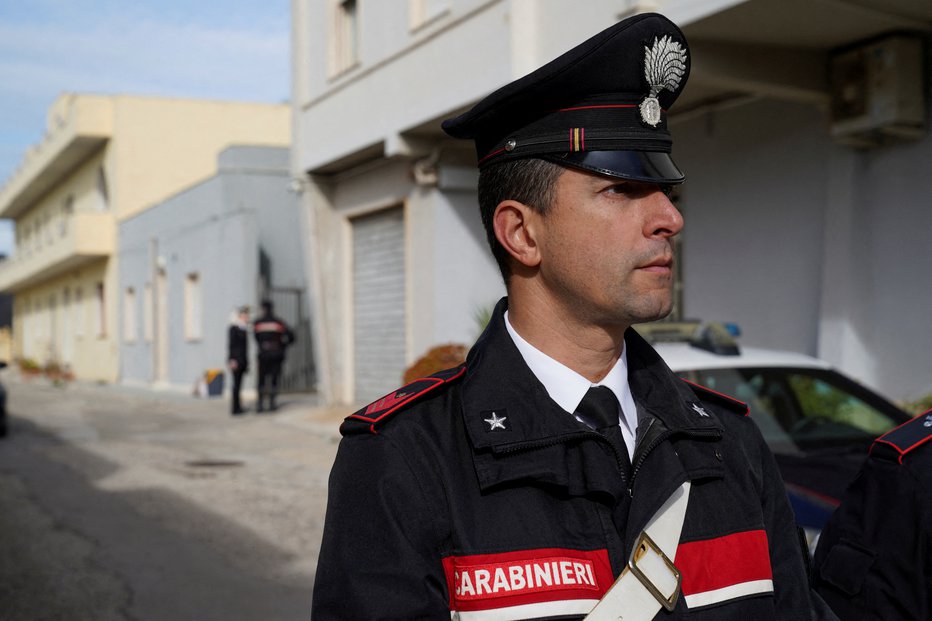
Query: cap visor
650,166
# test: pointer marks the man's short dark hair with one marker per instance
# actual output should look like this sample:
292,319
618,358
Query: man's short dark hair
267,306
529,181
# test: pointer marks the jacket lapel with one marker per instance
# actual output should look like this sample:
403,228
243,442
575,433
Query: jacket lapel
518,432
677,438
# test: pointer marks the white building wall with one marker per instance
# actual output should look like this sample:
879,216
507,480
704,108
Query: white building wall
396,88
887,306
808,245
467,279
753,204
453,274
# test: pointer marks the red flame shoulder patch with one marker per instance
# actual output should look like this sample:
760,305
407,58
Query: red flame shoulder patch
374,415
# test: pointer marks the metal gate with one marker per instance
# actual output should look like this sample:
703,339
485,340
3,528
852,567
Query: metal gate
298,371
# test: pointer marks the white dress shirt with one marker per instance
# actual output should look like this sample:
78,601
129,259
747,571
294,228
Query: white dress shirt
567,387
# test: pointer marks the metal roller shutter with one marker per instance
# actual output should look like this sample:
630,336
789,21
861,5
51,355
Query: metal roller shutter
378,303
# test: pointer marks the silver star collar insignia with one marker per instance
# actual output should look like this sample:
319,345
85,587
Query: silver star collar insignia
664,68
699,410
495,422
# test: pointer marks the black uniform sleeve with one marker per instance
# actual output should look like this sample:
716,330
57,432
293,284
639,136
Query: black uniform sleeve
790,579
873,561
380,555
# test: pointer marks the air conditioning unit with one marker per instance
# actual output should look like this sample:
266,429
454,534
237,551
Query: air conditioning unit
878,92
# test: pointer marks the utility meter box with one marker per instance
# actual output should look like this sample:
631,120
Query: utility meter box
878,92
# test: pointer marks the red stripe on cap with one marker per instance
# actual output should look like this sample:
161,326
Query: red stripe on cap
597,107
492,154
725,561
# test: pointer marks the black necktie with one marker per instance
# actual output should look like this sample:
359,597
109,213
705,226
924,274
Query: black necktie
600,409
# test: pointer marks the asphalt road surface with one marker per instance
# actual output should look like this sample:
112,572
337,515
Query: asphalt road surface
118,504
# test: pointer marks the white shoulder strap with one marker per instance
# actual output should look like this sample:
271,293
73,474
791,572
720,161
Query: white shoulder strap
650,581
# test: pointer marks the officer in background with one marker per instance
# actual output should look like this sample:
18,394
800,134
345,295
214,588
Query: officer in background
272,337
238,355
521,484
874,559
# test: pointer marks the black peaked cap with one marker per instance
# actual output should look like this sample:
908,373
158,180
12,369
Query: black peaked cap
600,106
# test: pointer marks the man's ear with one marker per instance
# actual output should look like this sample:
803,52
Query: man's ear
515,228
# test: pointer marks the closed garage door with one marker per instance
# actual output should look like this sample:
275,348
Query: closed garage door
378,303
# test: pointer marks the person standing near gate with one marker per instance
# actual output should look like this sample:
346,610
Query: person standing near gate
238,355
272,336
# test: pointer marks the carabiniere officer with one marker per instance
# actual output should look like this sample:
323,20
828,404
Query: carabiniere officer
564,455
874,560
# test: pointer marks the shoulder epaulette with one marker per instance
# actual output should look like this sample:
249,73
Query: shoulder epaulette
374,415
730,403
906,438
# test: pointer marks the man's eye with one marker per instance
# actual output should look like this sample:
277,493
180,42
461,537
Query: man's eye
639,190
620,188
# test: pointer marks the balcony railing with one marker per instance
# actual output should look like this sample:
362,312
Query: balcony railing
87,237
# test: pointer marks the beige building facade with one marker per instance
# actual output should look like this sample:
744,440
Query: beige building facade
104,159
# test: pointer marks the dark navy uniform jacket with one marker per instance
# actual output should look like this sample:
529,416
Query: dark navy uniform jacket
472,493
874,559
272,337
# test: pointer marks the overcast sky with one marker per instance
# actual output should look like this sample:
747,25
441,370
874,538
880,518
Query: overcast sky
216,49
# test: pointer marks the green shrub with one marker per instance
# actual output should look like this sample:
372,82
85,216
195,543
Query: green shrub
28,365
919,406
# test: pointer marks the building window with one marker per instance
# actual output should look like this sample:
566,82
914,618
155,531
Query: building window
28,325
147,325
39,324
66,328
422,12
78,311
100,311
103,194
51,325
67,209
129,315
192,307
344,42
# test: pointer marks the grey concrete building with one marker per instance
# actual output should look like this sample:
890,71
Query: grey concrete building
189,261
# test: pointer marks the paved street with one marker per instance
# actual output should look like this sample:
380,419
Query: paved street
130,505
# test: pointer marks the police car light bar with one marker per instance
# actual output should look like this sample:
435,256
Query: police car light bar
717,338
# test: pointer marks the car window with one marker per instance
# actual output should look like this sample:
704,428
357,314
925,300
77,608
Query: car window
818,400
804,408
749,388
